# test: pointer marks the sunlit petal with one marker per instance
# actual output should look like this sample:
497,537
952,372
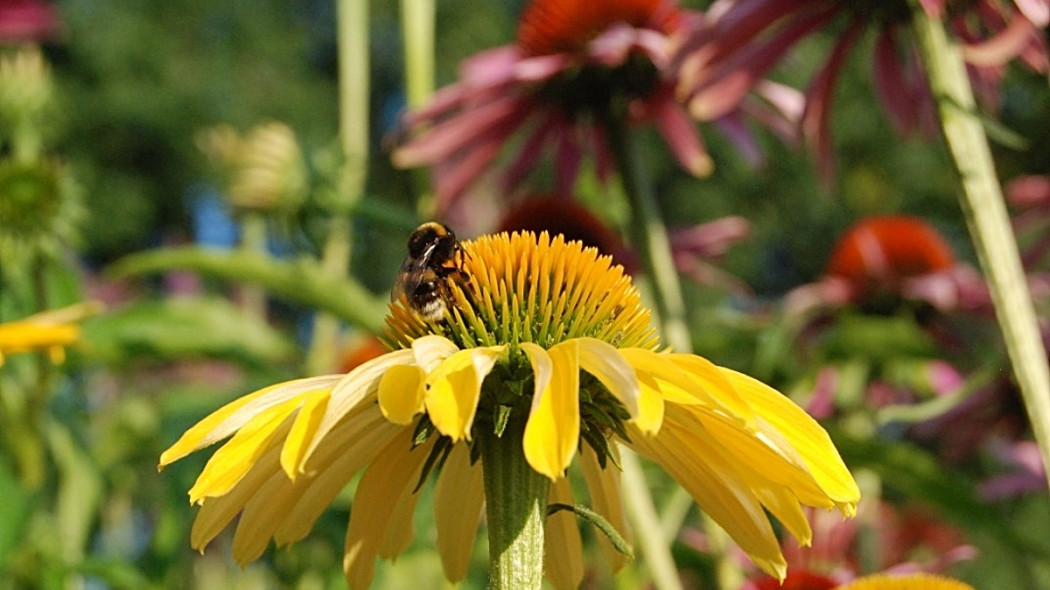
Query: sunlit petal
603,360
458,502
390,476
453,389
401,393
553,430
563,549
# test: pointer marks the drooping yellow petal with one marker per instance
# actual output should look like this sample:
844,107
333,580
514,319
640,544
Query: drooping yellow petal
807,438
392,474
920,581
552,432
603,485
399,529
453,389
352,389
563,549
231,462
280,503
710,384
229,418
303,429
459,499
696,466
401,393
603,360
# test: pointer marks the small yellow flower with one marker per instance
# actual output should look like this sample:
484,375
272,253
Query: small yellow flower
908,582
50,331
546,328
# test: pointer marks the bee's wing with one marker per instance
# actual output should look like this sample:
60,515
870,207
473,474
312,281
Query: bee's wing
409,276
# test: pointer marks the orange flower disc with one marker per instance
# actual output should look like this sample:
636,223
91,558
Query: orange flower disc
555,26
880,249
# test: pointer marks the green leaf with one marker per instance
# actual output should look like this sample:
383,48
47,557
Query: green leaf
184,327
14,511
301,281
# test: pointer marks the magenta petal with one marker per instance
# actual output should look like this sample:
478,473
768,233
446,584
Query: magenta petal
890,84
678,130
529,153
457,133
732,126
490,68
567,162
816,121
1002,47
538,69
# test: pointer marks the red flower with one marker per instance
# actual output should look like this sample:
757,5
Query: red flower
577,65
27,21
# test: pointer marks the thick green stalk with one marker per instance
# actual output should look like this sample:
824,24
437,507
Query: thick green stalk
982,203
253,240
515,509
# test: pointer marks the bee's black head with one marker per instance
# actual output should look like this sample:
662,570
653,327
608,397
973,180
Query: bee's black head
427,236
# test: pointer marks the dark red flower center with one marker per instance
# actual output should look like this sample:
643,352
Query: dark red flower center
883,250
555,26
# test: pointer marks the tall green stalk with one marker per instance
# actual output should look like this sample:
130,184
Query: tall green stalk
983,204
352,31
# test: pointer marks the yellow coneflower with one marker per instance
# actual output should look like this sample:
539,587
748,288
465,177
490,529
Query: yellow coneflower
906,582
50,331
550,348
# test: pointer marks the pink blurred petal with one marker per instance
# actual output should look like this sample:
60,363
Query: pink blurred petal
454,134
711,239
529,154
1002,47
933,8
1037,11
567,161
1029,191
732,126
816,121
682,137
890,83
540,68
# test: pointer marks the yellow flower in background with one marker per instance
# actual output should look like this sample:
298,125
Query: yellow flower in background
906,582
50,331
544,329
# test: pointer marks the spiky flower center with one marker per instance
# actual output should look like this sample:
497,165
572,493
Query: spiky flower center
528,288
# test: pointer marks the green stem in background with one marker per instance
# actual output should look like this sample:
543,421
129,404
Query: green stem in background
651,238
352,34
515,509
417,30
985,210
651,537
253,240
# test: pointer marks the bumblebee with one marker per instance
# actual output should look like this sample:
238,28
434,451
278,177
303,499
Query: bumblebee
434,262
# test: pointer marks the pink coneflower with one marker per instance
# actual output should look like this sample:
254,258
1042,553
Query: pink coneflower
745,39
27,21
576,65
884,259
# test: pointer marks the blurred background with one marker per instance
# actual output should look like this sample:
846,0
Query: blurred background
132,128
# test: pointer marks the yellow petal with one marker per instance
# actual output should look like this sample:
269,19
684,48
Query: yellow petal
459,498
712,384
351,390
430,350
563,549
401,393
303,429
905,582
392,474
695,464
227,419
552,432
603,486
603,360
453,389
807,438
231,462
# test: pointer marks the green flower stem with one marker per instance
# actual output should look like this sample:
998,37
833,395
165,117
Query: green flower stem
515,509
652,539
985,210
417,26
352,31
651,238
253,239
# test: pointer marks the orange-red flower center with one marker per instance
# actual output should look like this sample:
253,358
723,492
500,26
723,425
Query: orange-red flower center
555,26
881,249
